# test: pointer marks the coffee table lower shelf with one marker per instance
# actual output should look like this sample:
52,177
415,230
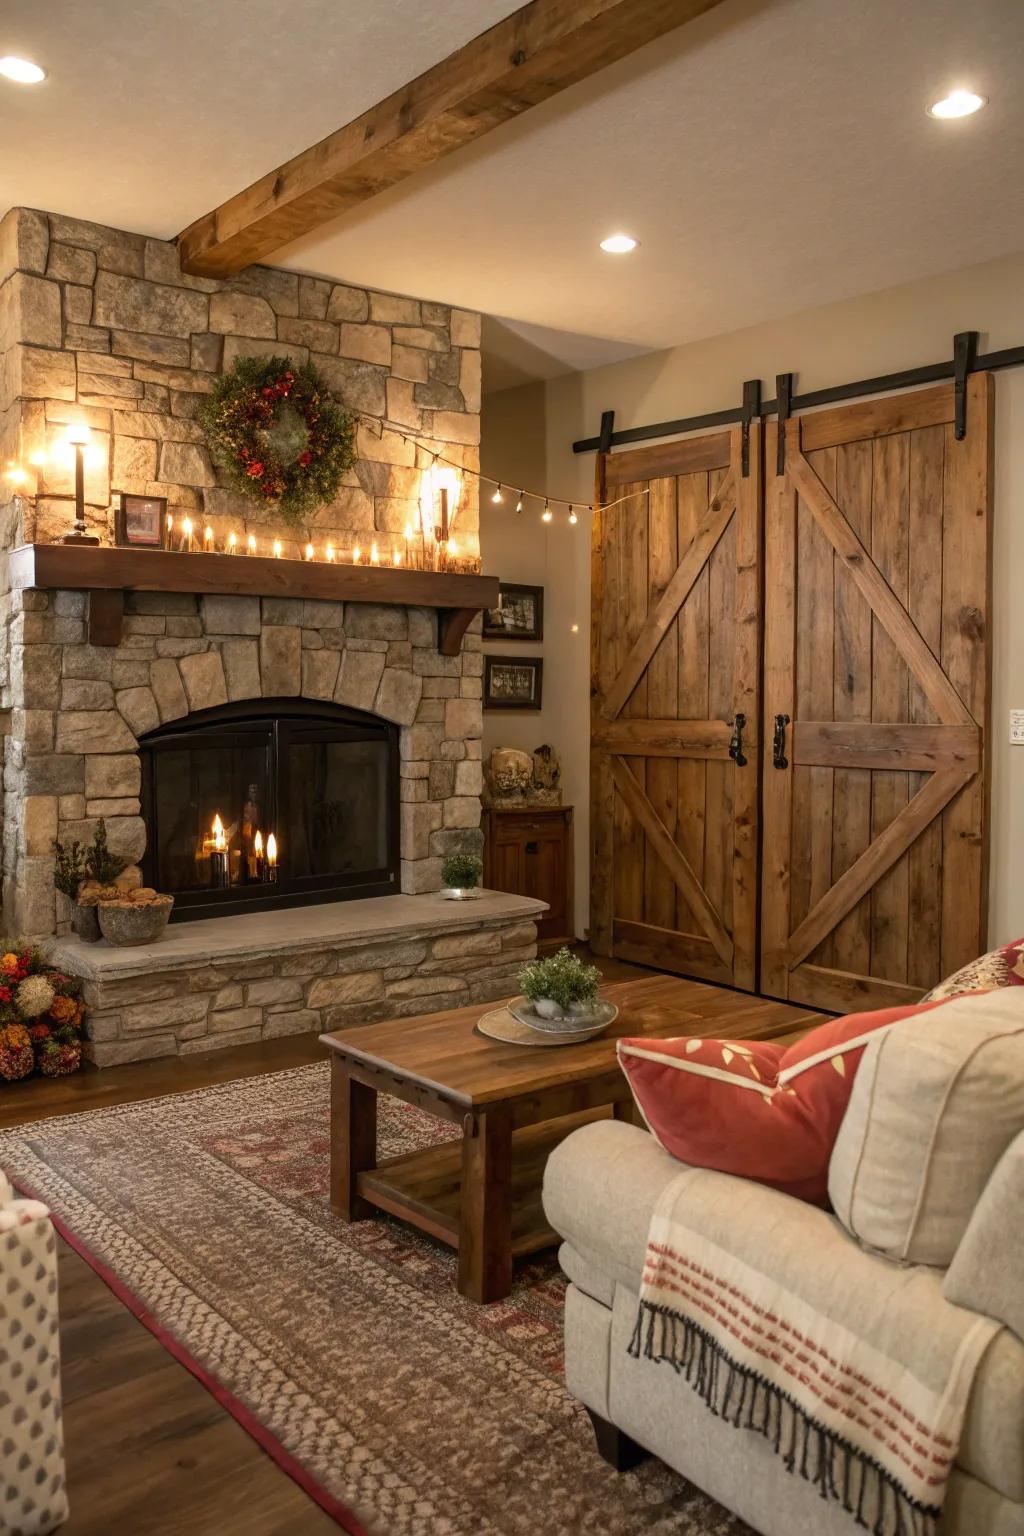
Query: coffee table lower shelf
424,1188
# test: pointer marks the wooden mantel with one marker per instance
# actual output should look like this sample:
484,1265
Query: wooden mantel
108,573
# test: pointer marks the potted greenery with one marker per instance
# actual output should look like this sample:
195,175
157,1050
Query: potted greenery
84,872
561,987
460,876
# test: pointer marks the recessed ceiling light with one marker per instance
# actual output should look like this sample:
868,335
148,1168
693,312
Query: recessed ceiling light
21,70
957,104
619,244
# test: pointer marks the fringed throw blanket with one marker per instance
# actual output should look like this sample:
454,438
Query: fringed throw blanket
851,1416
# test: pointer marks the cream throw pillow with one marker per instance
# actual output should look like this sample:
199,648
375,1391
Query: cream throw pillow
937,1100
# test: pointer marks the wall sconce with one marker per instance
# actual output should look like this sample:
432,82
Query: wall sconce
440,494
79,437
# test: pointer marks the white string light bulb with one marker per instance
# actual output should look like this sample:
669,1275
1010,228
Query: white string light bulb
498,498
572,516
545,516
519,503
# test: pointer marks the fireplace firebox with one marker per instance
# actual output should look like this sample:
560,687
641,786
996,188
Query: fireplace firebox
272,803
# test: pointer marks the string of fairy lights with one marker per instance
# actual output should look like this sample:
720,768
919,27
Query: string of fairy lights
521,494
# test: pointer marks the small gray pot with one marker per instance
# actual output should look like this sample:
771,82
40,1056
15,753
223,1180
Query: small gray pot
125,926
85,923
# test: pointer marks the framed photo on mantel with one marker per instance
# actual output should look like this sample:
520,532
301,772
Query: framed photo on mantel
512,682
140,522
519,614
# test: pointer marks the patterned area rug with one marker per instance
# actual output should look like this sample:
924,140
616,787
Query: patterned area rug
402,1408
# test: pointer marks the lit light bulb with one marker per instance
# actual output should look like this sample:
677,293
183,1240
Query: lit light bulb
15,474
519,503
277,549
330,553
78,434
374,555
572,516
498,498
957,104
310,552
232,543
252,543
545,516
574,629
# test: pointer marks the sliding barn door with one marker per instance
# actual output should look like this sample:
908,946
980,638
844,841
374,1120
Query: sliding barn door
876,679
675,743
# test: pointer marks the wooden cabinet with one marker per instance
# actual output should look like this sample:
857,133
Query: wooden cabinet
529,853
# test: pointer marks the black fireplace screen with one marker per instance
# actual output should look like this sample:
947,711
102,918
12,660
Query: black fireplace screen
270,805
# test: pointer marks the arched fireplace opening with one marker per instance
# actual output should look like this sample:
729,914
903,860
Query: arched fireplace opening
271,803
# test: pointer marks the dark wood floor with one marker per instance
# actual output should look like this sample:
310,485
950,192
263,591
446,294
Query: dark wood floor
150,1452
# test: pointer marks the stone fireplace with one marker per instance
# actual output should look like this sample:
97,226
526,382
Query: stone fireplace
159,704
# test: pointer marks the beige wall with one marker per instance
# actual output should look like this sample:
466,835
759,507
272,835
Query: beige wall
877,333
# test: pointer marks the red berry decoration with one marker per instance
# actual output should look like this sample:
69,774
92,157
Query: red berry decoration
275,433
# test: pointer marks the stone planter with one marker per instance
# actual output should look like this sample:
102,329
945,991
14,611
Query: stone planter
125,924
85,923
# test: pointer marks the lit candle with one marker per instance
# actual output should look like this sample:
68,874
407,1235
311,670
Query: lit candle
374,554
396,557
277,549
170,525
330,553
252,543
310,552
271,857
357,555
208,538
257,849
15,474
219,873
186,530
408,536
232,544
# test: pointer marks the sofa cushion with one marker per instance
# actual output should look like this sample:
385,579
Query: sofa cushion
750,1107
601,1187
1002,967
938,1099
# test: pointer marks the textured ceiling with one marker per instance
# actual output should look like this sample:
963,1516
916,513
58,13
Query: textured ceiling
774,155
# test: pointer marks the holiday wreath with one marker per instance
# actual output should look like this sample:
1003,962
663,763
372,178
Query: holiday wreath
277,435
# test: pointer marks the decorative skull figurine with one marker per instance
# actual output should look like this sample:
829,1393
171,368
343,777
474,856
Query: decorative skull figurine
507,777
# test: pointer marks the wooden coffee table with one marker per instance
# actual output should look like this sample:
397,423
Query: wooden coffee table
481,1195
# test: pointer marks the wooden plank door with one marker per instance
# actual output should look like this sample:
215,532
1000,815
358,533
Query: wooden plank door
675,651
876,685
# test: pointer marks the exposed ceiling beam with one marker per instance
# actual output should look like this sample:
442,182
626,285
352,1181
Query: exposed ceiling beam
533,54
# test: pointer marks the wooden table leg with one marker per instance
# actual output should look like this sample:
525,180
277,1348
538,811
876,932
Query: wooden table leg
485,1216
353,1140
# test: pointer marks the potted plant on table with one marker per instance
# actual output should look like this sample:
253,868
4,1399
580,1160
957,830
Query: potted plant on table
70,873
561,987
460,876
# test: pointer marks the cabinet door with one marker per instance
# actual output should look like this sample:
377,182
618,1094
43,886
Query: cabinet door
877,549
675,649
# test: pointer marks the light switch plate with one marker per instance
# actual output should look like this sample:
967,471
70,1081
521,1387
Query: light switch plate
1017,727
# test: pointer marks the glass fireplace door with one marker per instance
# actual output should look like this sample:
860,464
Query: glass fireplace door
295,804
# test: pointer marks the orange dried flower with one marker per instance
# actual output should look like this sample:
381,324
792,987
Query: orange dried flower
64,1010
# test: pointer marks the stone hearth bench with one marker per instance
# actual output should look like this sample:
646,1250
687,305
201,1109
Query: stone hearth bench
236,980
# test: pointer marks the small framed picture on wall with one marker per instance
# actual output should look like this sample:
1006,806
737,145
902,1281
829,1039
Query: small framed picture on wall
512,682
519,614
140,522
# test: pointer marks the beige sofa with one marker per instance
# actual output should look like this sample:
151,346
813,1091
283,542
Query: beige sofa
600,1189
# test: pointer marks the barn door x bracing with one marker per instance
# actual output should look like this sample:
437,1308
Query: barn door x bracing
872,872
876,683
675,739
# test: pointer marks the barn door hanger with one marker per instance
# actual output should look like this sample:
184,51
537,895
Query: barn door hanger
751,408
965,355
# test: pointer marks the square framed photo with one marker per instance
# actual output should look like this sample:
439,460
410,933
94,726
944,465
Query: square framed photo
512,682
519,614
140,522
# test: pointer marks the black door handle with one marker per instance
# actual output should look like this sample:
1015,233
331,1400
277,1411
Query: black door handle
736,744
779,758
531,848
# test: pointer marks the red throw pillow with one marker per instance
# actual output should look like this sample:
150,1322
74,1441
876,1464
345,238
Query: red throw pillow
765,1112
1002,967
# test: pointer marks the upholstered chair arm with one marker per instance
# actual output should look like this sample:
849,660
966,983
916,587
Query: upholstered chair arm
987,1272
